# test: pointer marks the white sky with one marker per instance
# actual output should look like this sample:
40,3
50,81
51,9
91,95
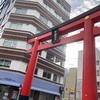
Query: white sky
78,7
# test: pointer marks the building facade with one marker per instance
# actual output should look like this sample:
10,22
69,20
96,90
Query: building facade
5,10
70,85
79,74
30,17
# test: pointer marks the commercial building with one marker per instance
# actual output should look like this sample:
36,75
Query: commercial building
5,10
70,84
30,17
79,74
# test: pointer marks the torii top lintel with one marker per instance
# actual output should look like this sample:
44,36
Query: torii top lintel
66,27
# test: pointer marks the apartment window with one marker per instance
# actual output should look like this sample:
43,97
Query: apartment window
21,10
62,48
56,78
47,7
36,71
38,31
58,61
47,74
97,72
50,57
5,63
97,62
16,26
10,43
98,84
43,19
98,95
40,52
58,1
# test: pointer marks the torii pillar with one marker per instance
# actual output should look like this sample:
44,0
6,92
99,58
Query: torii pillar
89,63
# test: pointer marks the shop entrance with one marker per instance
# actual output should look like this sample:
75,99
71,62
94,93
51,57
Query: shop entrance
8,92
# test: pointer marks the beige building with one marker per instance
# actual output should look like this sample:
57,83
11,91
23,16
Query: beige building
70,85
30,17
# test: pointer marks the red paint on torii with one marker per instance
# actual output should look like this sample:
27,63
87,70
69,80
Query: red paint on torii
86,21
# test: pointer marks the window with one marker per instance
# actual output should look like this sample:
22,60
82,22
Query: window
50,57
97,72
58,1
16,25
58,61
47,7
62,48
36,71
21,10
98,95
47,74
97,62
43,19
98,84
5,63
38,31
10,43
56,78
40,52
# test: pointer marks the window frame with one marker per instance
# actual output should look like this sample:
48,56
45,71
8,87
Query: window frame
15,25
49,55
10,43
21,10
5,63
47,73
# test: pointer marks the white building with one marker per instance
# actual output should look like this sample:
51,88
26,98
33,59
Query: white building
30,17
79,74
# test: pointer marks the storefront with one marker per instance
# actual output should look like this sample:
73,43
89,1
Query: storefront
10,83
8,92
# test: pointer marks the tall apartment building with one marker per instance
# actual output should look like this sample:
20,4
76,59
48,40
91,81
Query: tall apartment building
5,10
79,74
30,17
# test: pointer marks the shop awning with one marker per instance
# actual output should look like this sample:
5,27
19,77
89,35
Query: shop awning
17,79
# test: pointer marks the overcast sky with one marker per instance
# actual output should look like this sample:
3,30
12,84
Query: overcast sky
78,7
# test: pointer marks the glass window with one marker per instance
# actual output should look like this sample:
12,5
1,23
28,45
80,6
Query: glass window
5,63
97,72
10,43
38,31
36,71
21,10
98,84
58,1
47,7
62,48
42,96
58,61
98,95
47,74
31,95
43,19
4,92
97,62
50,57
56,78
16,25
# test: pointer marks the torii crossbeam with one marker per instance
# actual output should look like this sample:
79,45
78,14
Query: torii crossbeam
85,21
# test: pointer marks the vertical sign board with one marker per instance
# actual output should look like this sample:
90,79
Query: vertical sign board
55,35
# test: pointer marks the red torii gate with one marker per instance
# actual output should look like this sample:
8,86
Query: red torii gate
86,21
